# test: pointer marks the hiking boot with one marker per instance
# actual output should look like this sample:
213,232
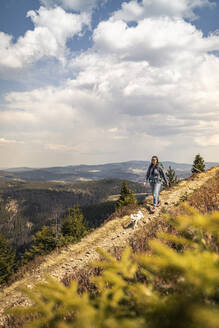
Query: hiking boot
159,203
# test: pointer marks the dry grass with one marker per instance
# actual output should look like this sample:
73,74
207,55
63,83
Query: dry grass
205,198
123,211
30,267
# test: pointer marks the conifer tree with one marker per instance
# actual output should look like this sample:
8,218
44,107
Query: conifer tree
161,164
198,164
171,176
73,226
126,196
43,243
7,260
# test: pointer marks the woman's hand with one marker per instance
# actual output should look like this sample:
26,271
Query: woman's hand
166,184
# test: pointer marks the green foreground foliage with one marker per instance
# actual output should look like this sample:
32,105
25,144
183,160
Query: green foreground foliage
175,285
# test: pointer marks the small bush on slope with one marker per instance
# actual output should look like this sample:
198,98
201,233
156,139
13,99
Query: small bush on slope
190,285
127,197
73,226
44,242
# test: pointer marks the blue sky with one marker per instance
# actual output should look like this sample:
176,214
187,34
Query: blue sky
107,81
13,17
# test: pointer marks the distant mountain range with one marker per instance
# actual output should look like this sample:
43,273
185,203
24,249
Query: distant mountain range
131,170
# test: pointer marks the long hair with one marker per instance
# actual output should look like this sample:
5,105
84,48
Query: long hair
157,164
151,166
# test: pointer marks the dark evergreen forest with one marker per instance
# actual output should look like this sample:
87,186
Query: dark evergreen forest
26,206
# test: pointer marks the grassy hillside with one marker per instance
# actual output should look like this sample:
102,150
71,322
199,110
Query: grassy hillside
200,191
204,199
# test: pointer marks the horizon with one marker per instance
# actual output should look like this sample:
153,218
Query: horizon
82,164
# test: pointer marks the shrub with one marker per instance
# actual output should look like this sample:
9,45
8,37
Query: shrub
44,242
73,227
127,197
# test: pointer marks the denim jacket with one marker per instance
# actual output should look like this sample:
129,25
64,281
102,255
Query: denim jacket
155,176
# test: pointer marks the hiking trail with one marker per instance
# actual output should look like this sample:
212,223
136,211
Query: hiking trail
77,256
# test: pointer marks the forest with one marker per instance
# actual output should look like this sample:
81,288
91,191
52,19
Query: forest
26,207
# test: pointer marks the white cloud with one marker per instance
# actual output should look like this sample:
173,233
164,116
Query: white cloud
15,118
4,141
121,108
52,29
211,140
77,5
140,90
159,41
135,10
59,147
62,25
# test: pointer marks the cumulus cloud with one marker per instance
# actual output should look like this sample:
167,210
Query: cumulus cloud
160,40
52,29
152,87
135,10
115,105
77,5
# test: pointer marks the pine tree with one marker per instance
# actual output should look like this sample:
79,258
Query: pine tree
7,260
161,164
171,175
44,242
127,196
198,164
73,227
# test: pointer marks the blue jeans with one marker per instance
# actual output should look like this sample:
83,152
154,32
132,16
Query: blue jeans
155,188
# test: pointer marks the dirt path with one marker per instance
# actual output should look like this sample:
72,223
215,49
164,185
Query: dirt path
77,256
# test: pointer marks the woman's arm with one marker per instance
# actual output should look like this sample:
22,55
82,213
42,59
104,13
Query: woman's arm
148,173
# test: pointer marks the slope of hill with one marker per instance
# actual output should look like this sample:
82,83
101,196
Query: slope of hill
115,232
26,206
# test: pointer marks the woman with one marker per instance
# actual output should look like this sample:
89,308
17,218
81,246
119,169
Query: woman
155,175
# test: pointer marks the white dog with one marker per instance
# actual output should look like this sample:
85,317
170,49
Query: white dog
136,217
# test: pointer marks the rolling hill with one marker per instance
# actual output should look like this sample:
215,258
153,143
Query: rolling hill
131,170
